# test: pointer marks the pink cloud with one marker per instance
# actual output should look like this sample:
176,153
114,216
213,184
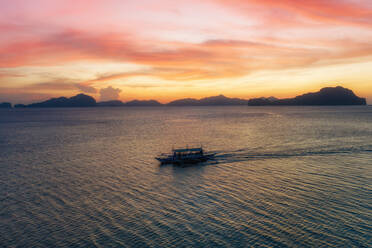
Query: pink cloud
281,34
331,11
216,58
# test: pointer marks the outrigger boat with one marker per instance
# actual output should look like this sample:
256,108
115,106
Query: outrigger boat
185,156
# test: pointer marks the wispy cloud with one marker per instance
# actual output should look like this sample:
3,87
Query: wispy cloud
58,86
345,12
86,88
212,58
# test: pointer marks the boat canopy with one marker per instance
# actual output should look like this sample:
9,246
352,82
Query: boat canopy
188,150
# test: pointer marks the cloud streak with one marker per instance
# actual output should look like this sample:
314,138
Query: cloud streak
218,58
345,12
60,85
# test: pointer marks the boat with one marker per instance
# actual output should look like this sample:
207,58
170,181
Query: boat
185,156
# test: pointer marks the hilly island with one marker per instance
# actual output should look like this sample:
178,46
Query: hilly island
326,96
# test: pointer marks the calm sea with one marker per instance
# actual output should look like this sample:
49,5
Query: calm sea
282,177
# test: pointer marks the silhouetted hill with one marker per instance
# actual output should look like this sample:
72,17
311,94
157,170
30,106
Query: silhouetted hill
262,101
222,100
5,105
142,103
208,101
184,102
113,103
20,106
80,100
326,96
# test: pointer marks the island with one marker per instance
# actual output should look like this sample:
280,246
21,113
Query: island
80,100
326,96
219,100
134,103
5,105
143,103
112,103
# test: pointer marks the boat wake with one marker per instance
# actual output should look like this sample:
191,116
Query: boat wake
246,154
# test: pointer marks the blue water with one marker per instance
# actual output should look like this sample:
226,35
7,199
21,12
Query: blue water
282,177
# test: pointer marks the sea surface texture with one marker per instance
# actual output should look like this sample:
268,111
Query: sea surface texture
282,177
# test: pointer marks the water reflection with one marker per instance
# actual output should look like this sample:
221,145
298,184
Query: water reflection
283,177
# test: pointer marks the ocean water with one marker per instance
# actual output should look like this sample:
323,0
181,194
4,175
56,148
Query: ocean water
282,177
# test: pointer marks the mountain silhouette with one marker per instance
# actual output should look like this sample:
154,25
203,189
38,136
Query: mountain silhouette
20,105
326,96
134,103
184,102
219,100
142,103
80,100
112,103
5,105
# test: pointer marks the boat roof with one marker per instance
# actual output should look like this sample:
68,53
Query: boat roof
188,150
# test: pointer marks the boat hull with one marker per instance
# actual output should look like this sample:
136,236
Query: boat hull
194,160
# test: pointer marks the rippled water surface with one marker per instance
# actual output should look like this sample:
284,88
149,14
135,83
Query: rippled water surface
282,177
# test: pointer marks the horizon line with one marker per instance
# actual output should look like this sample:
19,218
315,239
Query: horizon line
185,98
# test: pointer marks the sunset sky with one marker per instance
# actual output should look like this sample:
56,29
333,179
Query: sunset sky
167,49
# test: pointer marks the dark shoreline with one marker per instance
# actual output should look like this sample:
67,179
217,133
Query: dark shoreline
328,96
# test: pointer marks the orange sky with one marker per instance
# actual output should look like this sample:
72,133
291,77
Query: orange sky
164,50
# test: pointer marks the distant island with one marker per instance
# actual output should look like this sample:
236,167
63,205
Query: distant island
138,103
5,105
326,96
208,101
80,100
